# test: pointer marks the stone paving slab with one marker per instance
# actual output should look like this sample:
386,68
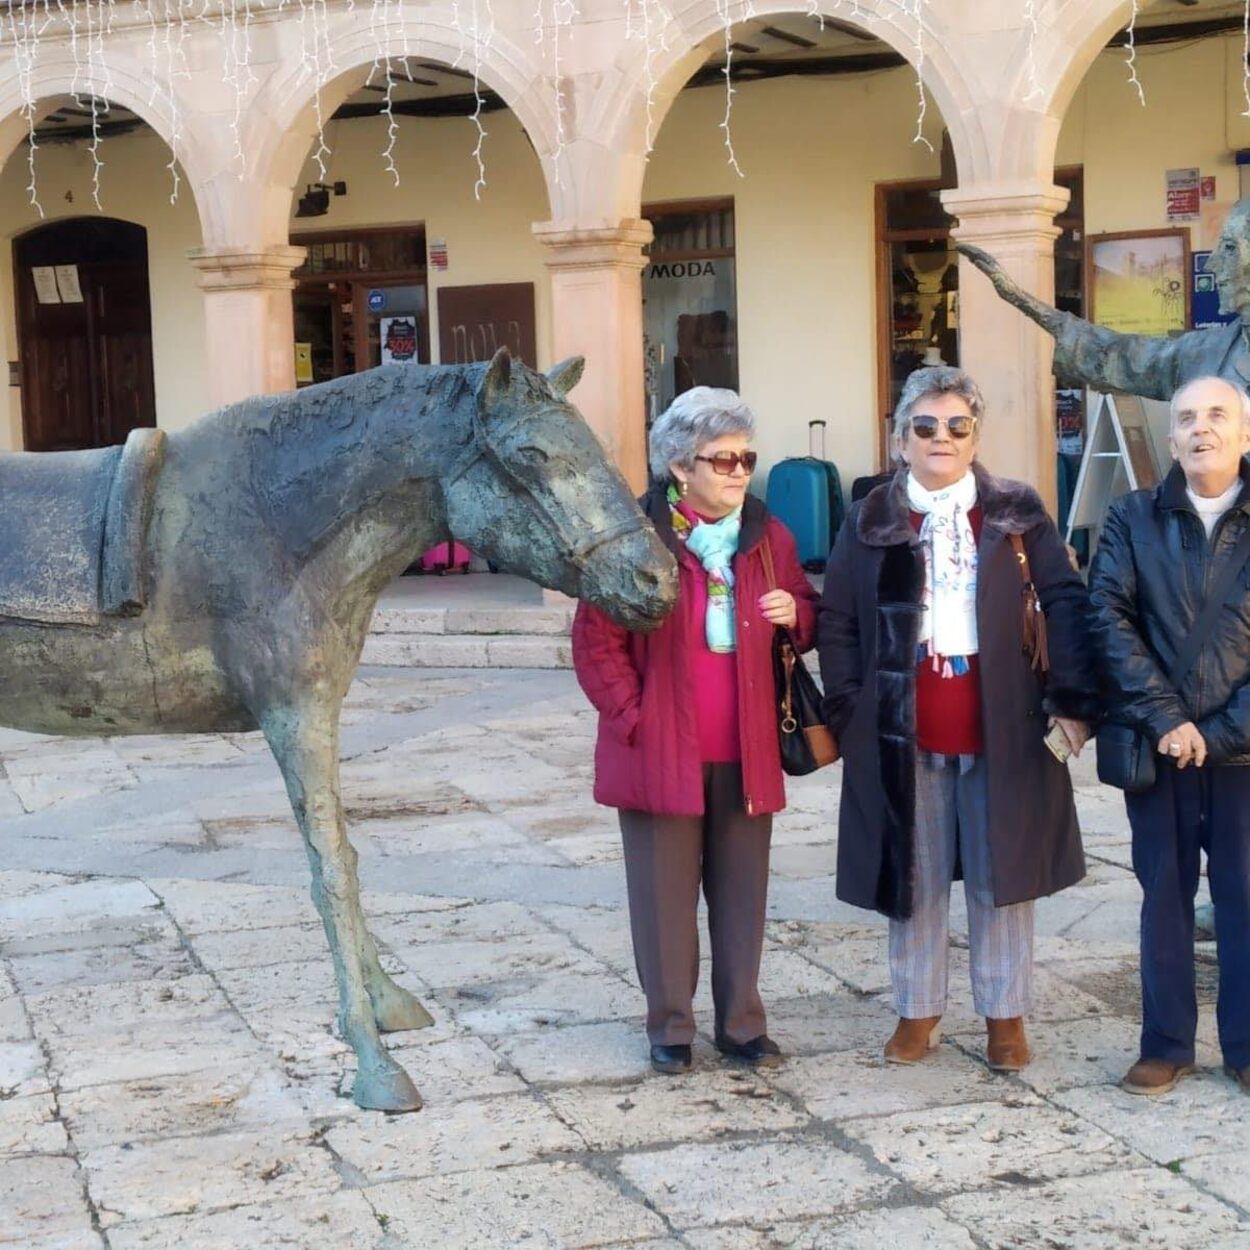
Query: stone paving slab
1146,1209
171,1075
540,1205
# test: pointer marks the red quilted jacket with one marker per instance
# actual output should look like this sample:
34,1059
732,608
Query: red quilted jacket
647,753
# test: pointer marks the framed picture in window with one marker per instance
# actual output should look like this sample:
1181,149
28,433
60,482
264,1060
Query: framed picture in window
1138,281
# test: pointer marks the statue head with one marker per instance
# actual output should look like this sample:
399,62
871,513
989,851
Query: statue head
536,494
1230,261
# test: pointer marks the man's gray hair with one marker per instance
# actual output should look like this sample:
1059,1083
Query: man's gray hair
694,418
936,380
1244,399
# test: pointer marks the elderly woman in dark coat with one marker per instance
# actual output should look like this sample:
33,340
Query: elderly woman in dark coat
943,721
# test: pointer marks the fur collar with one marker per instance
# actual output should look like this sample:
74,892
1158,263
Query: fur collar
655,504
1010,507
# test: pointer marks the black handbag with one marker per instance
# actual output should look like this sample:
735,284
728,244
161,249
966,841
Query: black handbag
805,740
1125,756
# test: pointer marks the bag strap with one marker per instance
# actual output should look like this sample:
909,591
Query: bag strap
1033,620
766,554
1200,631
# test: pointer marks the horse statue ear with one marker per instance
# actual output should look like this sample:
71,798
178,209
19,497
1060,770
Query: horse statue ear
562,378
497,379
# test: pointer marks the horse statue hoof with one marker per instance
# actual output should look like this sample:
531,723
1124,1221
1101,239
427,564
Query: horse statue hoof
396,1011
385,1087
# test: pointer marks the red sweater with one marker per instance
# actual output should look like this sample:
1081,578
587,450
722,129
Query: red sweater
948,709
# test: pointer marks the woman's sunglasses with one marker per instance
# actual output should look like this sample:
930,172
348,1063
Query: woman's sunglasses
725,462
926,426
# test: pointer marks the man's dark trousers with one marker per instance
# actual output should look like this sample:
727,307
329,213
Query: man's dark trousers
1189,810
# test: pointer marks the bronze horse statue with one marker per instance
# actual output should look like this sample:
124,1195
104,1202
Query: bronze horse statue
222,578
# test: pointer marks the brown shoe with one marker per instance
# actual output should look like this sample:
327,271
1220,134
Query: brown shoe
1008,1049
913,1039
1154,1076
1240,1075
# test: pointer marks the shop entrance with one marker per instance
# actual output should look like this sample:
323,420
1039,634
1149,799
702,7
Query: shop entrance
84,333
361,300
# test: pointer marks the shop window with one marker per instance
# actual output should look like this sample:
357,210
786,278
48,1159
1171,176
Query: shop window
361,299
690,304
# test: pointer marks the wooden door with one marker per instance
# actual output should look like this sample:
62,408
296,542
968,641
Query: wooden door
474,322
86,356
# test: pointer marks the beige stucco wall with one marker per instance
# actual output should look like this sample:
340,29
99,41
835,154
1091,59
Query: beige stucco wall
1192,117
812,151
135,187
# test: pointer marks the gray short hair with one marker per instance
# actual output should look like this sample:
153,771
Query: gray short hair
696,417
936,380
1210,377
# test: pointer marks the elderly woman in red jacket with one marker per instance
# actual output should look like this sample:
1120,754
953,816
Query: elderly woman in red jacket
687,748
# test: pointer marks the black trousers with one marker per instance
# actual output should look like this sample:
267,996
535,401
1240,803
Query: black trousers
1187,811
667,858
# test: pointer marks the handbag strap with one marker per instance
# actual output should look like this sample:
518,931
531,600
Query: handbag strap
766,554
1033,619
1200,631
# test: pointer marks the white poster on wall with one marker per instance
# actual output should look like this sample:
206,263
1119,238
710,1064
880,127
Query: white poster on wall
399,340
67,284
44,277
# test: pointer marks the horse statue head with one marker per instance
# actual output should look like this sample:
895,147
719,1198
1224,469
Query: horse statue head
534,492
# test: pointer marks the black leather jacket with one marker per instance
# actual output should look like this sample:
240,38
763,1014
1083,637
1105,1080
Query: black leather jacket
1148,583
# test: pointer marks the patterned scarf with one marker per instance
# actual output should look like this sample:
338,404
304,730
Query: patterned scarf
714,543
948,628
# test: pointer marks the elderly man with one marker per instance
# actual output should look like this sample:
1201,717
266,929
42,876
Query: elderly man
1142,364
1162,553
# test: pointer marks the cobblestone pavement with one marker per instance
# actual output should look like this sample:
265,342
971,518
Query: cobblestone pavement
169,1076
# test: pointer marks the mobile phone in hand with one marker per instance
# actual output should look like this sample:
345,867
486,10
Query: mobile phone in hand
1057,743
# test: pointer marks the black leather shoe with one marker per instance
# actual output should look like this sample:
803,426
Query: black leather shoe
674,1060
759,1052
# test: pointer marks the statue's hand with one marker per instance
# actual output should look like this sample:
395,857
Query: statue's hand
1050,319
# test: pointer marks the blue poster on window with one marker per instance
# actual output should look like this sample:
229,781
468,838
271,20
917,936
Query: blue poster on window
1205,308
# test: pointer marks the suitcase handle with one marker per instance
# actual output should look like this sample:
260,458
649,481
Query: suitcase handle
816,439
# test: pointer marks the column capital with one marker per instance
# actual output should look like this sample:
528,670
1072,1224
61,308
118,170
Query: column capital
595,244
247,269
1006,211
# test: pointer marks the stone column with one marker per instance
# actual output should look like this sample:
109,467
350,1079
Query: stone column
248,319
1005,352
596,312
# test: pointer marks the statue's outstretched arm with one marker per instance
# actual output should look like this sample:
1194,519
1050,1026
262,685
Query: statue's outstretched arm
1050,319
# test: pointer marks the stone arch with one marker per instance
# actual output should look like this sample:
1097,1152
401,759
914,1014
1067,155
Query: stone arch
283,121
619,114
129,83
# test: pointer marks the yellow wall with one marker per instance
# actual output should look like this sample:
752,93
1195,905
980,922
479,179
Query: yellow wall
489,240
135,187
1192,117
812,151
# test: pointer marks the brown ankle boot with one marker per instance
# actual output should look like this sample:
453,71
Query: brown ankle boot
1008,1049
913,1039
1154,1076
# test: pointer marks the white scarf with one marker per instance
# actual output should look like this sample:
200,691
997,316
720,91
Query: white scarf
948,627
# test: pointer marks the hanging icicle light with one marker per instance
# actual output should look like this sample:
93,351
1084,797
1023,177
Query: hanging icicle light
722,9
1131,56
918,18
1245,55
1030,51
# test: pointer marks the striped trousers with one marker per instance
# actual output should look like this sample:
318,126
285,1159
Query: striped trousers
952,826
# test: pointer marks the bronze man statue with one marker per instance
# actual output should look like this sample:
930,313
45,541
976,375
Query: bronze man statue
1142,364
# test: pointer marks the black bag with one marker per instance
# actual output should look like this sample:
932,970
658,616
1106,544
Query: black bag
805,741
1125,756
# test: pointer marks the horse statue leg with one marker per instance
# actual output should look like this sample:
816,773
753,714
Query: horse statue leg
304,738
395,1009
